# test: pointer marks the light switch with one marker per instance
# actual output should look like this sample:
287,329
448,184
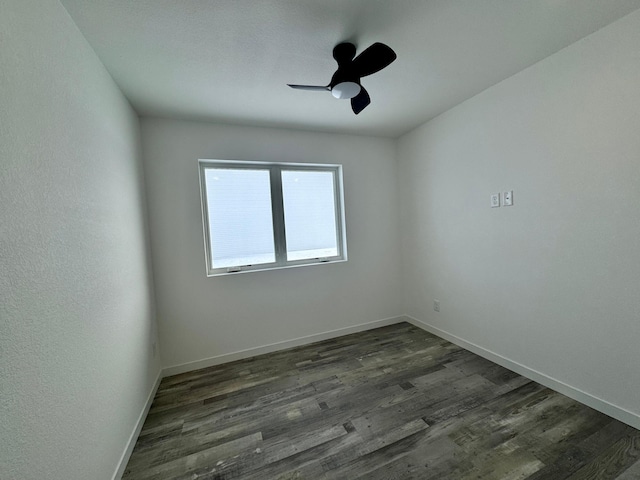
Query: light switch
495,200
507,198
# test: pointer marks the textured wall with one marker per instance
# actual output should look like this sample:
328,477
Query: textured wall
202,317
551,282
76,316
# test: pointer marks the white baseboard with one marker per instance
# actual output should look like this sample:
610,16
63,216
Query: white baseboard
585,398
273,347
133,438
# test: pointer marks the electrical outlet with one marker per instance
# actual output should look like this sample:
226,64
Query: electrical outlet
507,198
436,305
495,200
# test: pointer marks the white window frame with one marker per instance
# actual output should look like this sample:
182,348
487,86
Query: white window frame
277,207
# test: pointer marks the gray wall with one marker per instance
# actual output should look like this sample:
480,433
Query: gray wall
76,315
202,317
552,282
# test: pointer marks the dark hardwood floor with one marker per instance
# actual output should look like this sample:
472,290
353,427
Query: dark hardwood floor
390,403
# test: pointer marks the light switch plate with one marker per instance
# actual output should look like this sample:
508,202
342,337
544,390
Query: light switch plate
507,198
495,200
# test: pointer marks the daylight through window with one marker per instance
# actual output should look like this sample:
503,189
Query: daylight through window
265,215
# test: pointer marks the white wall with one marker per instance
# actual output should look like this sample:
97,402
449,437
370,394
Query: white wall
202,317
76,316
553,281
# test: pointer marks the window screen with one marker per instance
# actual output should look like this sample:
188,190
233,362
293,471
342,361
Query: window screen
240,217
309,214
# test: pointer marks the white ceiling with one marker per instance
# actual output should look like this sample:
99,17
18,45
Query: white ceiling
230,60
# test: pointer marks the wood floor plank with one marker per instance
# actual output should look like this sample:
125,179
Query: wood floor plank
613,461
631,473
390,403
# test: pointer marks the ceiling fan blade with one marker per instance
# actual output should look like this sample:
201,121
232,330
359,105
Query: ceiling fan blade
373,59
360,101
318,88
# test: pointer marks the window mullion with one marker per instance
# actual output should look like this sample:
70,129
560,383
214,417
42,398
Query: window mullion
277,206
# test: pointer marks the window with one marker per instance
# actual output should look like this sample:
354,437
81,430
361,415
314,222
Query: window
261,216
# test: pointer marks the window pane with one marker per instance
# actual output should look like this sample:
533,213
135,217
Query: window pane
240,225
309,214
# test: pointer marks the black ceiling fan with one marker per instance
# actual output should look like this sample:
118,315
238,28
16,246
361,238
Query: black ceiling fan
345,82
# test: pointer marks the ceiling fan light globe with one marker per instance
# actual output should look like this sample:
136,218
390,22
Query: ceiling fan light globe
345,90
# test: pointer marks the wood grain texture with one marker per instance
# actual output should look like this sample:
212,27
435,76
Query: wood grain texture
390,403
